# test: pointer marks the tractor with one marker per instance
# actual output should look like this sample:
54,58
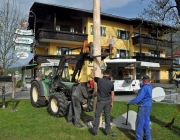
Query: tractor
54,85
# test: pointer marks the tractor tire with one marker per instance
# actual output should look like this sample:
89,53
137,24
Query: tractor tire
89,106
35,95
58,104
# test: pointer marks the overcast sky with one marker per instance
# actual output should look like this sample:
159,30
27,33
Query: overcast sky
123,8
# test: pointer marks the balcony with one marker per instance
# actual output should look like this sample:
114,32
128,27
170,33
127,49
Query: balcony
160,60
151,42
48,36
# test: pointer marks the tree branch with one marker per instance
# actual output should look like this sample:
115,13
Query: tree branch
169,8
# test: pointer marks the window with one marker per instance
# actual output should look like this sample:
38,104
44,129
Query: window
63,50
71,29
84,30
58,28
177,61
64,28
102,30
153,35
155,53
46,51
137,34
122,34
139,54
92,30
122,53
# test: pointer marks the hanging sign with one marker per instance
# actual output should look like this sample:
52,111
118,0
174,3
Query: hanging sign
23,48
22,55
24,32
23,40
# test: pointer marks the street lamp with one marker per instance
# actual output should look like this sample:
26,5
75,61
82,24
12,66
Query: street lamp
34,32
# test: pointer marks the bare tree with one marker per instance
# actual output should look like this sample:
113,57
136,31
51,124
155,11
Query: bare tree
166,11
10,18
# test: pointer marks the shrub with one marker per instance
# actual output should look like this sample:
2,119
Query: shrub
19,84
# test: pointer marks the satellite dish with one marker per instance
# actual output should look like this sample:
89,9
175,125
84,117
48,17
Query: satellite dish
22,55
158,94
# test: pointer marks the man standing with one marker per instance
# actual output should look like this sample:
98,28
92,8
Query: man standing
79,97
105,98
144,101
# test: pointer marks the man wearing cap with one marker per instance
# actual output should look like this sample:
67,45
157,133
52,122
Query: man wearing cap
144,101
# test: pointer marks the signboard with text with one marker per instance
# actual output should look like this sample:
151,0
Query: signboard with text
24,32
23,40
23,48
22,55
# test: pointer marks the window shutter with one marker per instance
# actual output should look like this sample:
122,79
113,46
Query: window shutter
127,54
118,34
127,35
92,29
58,51
104,31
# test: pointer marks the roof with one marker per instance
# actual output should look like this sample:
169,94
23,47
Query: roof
38,7
175,54
174,69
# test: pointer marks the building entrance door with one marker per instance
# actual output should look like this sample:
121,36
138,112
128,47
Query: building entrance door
155,76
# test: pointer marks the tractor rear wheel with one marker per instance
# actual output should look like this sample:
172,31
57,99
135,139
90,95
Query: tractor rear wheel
58,104
35,95
89,106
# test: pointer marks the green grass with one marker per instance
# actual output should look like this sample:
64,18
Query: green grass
29,123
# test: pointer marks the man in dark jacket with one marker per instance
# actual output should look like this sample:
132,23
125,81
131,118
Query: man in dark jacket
79,97
105,98
144,101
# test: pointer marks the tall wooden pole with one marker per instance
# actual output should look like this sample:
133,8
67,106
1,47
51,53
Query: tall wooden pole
97,43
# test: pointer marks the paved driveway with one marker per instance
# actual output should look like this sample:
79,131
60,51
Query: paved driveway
119,96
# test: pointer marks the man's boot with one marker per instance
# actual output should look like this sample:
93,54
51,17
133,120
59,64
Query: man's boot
79,125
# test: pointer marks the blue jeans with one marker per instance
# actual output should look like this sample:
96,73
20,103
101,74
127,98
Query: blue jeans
143,123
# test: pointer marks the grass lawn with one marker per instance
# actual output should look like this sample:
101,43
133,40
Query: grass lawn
29,123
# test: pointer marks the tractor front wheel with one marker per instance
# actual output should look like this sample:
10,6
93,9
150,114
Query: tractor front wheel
58,104
35,95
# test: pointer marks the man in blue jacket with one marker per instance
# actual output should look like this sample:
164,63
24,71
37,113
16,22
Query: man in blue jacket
144,101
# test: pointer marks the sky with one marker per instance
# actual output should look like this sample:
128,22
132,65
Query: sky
122,8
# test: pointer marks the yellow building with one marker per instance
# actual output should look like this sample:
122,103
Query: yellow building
58,28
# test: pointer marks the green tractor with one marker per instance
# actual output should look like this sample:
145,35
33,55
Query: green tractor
54,86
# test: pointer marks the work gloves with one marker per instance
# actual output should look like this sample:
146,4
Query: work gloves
84,101
90,96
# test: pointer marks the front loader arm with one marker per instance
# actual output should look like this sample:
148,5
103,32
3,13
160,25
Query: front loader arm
78,67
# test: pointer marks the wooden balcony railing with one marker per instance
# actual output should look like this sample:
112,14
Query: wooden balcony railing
160,60
60,35
151,41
